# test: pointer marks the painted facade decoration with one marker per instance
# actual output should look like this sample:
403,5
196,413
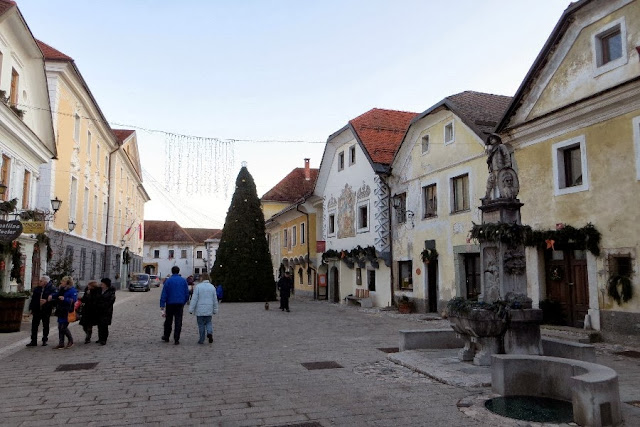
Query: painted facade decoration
574,125
346,213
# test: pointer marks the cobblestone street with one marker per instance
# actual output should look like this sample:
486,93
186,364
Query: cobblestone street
251,375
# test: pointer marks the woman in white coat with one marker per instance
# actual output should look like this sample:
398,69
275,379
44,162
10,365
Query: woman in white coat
204,304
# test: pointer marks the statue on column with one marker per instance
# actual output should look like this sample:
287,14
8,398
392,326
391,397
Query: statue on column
501,176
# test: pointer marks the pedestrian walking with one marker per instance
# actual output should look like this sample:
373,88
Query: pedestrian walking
65,298
285,284
219,293
175,294
40,309
204,304
191,284
105,298
89,310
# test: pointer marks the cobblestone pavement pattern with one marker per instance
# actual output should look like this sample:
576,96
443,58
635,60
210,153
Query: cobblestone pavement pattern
252,375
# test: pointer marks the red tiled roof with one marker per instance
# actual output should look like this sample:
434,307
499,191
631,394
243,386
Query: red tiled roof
51,54
199,235
122,134
165,231
5,5
381,132
293,187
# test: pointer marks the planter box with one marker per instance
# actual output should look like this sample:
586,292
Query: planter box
11,310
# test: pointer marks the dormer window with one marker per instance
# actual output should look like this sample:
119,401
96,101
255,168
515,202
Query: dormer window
609,47
449,135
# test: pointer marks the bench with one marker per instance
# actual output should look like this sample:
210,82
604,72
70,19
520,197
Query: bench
362,302
593,389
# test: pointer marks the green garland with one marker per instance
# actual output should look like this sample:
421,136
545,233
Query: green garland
586,237
429,255
625,287
356,254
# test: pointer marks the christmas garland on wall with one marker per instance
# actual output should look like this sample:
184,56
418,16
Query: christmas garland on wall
356,254
429,255
626,289
586,237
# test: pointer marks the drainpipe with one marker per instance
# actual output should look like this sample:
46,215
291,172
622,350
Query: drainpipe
391,277
308,251
106,231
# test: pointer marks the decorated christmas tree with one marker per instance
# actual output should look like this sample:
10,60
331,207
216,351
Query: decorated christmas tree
243,263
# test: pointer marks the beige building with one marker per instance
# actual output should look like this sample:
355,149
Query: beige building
96,175
439,176
575,126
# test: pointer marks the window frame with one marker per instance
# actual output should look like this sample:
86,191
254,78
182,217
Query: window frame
303,234
183,254
294,236
425,203
401,280
371,280
172,253
352,155
453,132
26,189
199,254
5,175
599,36
401,211
331,224
156,253
558,152
341,161
454,193
359,208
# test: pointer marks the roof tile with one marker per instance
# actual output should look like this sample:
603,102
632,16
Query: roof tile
292,187
51,54
165,231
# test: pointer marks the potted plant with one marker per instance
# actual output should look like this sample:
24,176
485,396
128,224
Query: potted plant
11,310
405,305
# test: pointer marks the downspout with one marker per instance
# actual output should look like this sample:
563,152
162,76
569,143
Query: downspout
391,277
106,231
308,251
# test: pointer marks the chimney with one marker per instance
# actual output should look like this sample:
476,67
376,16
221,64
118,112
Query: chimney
307,172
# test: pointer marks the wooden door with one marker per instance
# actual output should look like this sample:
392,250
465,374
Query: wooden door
335,285
567,283
432,280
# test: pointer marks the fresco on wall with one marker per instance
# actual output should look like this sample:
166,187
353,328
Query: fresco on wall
346,213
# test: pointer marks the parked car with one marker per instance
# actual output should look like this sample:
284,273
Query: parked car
140,282
154,280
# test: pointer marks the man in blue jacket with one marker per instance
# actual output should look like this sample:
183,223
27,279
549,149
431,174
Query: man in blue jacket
41,309
175,294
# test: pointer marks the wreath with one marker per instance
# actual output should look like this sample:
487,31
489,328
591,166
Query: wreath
625,287
429,255
556,273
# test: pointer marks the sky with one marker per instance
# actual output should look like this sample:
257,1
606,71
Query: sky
259,71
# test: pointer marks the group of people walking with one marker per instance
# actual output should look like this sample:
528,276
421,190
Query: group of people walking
97,309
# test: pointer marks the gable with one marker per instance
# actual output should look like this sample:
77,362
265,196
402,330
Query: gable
568,69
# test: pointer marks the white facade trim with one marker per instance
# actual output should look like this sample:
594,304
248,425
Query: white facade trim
558,166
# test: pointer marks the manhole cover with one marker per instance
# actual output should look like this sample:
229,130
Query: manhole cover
532,408
629,353
635,403
321,365
76,366
389,349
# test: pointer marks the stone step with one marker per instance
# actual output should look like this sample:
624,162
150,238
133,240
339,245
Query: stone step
583,336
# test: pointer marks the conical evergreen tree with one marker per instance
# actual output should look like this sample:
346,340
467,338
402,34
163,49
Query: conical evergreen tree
243,263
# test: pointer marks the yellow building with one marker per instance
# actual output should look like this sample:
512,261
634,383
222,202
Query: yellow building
291,231
96,175
575,126
439,176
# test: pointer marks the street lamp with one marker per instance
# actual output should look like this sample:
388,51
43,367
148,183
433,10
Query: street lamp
71,225
55,204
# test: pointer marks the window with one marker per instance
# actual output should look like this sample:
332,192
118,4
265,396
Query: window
26,185
6,164
300,276
94,256
69,253
609,46
183,253
429,201
76,127
363,217
460,187
156,253
199,254
197,270
400,205
285,241
294,236
371,280
303,233
103,263
73,200
85,212
341,160
570,166
83,262
449,134
171,253
13,96
352,155
331,227
405,280
425,144
472,275
358,276
106,165
88,145
98,157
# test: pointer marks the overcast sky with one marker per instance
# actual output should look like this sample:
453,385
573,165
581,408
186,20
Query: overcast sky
287,70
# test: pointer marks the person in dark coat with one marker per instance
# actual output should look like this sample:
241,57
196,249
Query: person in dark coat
89,310
41,310
65,298
105,298
284,286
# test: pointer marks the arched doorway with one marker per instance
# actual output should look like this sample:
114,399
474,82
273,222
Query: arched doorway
334,280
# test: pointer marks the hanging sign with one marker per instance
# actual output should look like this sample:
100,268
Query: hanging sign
33,227
10,230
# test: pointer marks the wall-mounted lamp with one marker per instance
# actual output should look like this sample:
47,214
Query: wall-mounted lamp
399,203
55,204
71,225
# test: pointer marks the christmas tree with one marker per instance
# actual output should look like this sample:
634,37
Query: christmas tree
243,263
